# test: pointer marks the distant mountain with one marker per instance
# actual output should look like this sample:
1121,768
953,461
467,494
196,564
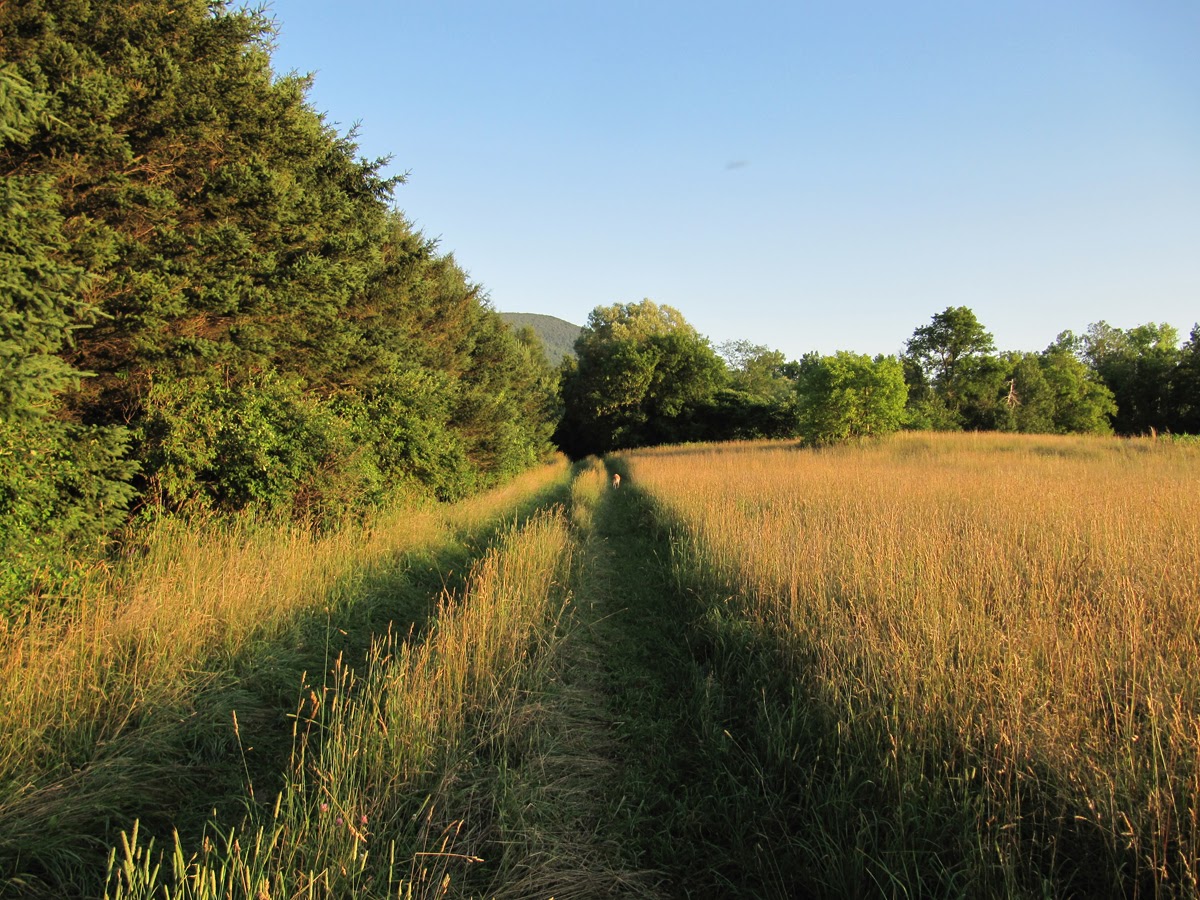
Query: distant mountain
557,335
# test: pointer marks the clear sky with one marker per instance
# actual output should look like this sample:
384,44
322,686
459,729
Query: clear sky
806,175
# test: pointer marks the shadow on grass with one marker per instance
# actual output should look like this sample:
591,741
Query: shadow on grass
763,787
227,746
678,808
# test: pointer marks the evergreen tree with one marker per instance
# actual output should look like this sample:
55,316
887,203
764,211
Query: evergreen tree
273,335
61,485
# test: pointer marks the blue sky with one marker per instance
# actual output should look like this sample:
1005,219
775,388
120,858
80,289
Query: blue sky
805,175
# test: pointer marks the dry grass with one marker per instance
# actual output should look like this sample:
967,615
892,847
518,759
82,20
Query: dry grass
1007,627
87,691
368,805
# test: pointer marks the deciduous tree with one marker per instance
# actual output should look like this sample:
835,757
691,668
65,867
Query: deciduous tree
1137,365
1082,404
848,396
641,374
1185,385
944,368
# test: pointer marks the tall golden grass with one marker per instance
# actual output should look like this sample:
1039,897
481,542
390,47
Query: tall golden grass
1003,629
377,745
88,689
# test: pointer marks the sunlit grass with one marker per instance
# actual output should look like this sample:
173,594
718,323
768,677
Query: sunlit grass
997,631
368,808
102,697
938,665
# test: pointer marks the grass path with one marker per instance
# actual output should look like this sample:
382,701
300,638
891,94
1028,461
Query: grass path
630,795
635,625
575,816
597,759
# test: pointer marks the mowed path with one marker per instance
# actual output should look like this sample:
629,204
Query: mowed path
574,788
625,786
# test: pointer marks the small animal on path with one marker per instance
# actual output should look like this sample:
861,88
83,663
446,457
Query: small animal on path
616,479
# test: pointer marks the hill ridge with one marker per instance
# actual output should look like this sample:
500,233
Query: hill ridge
557,335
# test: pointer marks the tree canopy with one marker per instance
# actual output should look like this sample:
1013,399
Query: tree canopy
209,301
644,376
1138,366
849,396
956,381
642,373
943,364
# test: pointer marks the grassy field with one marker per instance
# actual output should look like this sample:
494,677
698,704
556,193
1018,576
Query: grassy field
186,688
966,665
936,666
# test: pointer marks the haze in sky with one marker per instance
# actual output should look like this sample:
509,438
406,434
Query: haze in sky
806,175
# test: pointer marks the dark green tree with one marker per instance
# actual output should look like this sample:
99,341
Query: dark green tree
947,369
270,332
41,290
1082,404
927,409
1138,366
224,226
982,385
507,400
63,486
642,375
1185,386
1026,401
758,400
941,347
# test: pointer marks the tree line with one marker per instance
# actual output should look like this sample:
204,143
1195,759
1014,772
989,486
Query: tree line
208,302
643,376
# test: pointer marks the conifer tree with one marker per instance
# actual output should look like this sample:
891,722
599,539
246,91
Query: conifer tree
61,484
273,335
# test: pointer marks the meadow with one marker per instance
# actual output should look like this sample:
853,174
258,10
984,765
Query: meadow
212,690
955,664
927,666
